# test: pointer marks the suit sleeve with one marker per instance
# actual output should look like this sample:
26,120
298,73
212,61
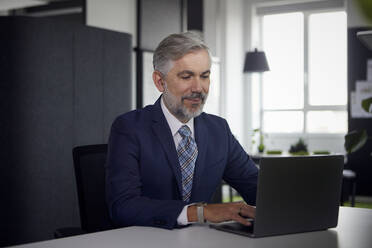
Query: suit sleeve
127,206
241,172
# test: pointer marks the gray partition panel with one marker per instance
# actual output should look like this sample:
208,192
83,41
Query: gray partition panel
88,77
4,123
62,84
117,77
42,187
361,160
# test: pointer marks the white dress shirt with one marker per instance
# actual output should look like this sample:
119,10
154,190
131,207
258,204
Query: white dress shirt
175,125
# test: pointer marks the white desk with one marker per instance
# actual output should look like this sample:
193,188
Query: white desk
354,230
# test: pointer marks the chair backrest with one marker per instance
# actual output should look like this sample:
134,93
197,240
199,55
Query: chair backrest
89,164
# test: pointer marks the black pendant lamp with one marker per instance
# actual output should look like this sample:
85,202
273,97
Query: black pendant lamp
255,62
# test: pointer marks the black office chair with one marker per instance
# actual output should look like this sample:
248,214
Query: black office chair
89,168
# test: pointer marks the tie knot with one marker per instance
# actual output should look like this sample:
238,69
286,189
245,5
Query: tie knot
184,131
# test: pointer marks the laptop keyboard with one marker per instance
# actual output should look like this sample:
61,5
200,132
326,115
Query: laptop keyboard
235,227
240,227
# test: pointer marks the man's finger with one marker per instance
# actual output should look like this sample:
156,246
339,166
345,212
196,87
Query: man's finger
241,220
248,211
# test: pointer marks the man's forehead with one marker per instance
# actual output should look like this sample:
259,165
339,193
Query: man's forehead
189,72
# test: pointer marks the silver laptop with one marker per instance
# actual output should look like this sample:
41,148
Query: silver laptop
295,194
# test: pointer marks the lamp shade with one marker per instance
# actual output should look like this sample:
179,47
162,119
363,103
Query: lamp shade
255,62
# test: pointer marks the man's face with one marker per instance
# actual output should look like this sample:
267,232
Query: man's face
186,85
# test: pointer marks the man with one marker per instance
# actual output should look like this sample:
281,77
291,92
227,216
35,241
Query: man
167,158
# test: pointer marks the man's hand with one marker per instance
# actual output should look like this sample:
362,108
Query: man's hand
224,212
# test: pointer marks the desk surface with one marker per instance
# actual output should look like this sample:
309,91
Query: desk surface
354,230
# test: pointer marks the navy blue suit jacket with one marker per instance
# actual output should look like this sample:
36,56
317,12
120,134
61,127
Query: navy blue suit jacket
143,176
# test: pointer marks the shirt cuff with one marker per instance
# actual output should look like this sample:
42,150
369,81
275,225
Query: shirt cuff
182,218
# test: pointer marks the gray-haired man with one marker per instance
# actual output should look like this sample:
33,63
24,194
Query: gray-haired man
166,160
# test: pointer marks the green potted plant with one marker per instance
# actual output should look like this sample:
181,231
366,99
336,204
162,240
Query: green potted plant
365,7
321,152
261,146
299,148
274,152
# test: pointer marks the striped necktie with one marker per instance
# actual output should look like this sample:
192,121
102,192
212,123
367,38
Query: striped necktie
187,152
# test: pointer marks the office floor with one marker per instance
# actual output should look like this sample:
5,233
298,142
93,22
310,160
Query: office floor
361,202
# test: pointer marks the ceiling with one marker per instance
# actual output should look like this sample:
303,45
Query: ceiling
6,5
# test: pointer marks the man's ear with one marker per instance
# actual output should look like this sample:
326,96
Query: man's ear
158,80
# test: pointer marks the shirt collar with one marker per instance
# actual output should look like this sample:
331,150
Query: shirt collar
173,122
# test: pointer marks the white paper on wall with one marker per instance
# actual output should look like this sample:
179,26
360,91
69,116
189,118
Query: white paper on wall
363,90
369,70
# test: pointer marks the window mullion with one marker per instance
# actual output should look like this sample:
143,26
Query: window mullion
260,79
306,69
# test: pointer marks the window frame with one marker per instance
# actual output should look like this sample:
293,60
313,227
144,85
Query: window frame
306,106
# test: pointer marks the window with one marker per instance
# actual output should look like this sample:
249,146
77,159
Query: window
305,91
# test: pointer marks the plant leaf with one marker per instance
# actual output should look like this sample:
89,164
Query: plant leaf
365,6
366,104
354,140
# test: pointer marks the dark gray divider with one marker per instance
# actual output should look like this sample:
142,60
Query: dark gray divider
361,160
88,87
4,124
62,84
117,62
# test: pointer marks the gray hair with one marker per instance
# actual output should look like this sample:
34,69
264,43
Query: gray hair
174,47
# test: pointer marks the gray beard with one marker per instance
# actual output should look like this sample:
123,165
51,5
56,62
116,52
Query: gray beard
178,109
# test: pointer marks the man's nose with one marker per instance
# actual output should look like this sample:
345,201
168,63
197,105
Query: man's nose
197,85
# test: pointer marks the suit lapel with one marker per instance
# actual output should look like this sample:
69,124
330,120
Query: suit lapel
201,139
162,131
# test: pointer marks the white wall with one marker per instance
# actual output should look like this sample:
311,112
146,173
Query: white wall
212,26
232,56
212,34
223,33
116,15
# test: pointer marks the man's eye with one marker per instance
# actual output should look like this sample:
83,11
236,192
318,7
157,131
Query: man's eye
205,76
186,77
